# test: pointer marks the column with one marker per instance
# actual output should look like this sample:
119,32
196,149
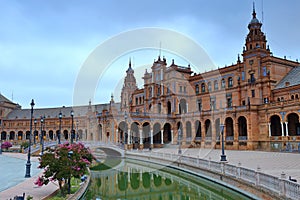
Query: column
151,137
128,139
286,128
269,125
282,129
162,136
117,136
141,137
172,136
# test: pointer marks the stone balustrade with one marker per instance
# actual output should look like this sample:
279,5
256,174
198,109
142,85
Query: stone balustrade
278,186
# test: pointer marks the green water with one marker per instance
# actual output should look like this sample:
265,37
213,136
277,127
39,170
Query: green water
144,182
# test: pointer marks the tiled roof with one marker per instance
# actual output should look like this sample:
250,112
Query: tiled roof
54,112
4,99
291,79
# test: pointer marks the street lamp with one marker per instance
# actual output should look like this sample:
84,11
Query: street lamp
1,144
28,164
223,156
70,153
72,131
59,133
126,130
34,133
179,138
77,135
42,136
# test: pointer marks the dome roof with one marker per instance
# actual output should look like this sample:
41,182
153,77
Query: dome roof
254,21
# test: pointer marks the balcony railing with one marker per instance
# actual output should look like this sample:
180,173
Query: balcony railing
243,138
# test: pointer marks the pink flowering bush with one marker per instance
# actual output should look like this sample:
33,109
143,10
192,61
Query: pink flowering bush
64,162
6,145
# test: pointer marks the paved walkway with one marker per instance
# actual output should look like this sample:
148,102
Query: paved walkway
273,163
12,181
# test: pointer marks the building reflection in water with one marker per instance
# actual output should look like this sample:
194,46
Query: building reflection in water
132,181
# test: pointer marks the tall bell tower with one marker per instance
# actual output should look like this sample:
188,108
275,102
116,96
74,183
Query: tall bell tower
256,40
129,87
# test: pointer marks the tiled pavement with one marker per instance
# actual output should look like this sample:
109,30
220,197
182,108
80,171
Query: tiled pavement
273,163
12,179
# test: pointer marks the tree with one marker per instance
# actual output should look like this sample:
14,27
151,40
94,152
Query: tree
64,162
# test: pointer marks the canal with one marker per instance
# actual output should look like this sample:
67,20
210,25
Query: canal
135,180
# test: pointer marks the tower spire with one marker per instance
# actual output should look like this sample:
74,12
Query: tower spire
254,13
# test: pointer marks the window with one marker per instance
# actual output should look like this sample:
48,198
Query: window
243,102
223,83
197,89
253,93
203,87
266,100
264,71
212,103
252,78
184,89
229,102
216,85
158,91
199,104
243,76
136,101
180,89
209,86
230,82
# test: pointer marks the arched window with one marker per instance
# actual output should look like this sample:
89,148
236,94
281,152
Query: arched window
223,83
216,85
197,89
209,86
203,87
230,82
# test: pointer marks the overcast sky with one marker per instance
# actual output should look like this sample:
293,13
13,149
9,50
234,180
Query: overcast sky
44,44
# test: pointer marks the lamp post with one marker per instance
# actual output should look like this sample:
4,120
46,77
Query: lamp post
77,135
28,164
70,153
42,136
72,129
126,130
59,133
1,144
34,133
179,138
223,156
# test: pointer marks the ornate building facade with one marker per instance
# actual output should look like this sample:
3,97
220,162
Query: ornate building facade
255,102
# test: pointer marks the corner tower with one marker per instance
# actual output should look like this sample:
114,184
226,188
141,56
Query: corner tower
256,39
129,87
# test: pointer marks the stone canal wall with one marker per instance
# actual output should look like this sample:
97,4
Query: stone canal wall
253,181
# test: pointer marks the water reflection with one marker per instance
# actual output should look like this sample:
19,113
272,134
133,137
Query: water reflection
133,181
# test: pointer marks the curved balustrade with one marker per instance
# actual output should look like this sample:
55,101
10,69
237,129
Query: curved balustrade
280,186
